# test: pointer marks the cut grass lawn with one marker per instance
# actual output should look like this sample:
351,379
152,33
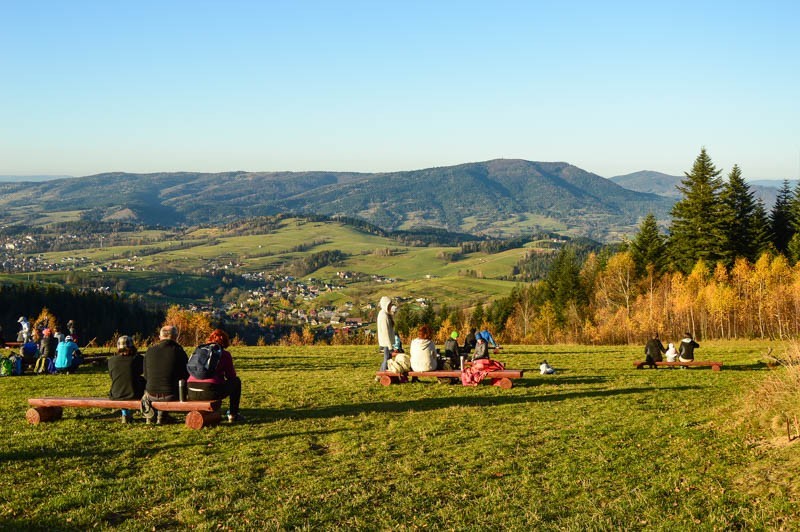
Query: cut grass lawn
599,445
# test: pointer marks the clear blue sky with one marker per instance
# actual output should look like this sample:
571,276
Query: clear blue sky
612,87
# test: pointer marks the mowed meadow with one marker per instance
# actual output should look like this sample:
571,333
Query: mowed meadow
598,445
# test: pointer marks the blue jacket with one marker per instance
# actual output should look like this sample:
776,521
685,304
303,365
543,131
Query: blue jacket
64,353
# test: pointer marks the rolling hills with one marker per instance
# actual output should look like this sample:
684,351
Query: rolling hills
500,197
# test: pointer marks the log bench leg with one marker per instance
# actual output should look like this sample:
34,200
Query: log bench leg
197,420
505,383
43,414
386,380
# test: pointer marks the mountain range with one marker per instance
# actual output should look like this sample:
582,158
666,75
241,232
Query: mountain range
499,197
666,185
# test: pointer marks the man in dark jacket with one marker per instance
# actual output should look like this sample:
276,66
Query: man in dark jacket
653,351
164,365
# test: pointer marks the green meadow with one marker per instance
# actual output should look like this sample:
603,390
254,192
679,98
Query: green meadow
419,271
599,446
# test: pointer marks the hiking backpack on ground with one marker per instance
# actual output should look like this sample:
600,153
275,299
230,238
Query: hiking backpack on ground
203,362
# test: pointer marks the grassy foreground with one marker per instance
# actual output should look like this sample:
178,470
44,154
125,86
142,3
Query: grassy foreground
599,445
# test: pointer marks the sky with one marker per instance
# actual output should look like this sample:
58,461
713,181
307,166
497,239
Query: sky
611,87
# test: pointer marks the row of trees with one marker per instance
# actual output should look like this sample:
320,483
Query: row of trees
612,304
725,270
98,316
720,220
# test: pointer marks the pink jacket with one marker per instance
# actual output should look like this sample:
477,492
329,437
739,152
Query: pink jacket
474,374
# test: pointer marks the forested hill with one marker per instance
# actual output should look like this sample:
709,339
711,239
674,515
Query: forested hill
500,196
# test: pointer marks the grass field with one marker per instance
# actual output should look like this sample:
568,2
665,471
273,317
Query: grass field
599,446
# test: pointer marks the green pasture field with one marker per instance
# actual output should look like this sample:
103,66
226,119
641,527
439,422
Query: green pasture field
597,446
419,269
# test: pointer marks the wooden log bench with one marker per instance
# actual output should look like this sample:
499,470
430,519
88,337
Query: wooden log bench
97,359
199,413
716,366
503,378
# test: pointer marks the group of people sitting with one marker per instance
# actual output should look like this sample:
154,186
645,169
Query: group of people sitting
157,376
424,356
53,353
655,349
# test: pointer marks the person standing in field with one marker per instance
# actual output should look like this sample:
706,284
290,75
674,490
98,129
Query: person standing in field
386,329
653,351
24,330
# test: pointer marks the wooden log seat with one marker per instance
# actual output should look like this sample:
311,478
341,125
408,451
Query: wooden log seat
503,379
199,413
716,366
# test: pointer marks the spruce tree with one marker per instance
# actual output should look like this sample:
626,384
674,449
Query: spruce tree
696,231
794,209
780,219
563,283
649,246
761,235
738,205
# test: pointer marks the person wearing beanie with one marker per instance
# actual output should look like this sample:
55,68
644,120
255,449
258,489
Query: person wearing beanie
125,370
452,351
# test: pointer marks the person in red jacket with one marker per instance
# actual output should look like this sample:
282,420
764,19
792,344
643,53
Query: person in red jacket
223,384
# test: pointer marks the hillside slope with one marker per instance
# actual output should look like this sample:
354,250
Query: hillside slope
494,197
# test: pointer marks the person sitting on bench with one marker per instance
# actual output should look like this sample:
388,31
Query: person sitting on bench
672,353
452,351
223,384
423,351
125,370
653,351
686,350
164,365
481,350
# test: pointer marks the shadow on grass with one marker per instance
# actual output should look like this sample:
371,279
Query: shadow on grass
39,454
757,366
436,403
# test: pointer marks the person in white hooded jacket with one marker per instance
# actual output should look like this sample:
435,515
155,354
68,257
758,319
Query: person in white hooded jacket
386,329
